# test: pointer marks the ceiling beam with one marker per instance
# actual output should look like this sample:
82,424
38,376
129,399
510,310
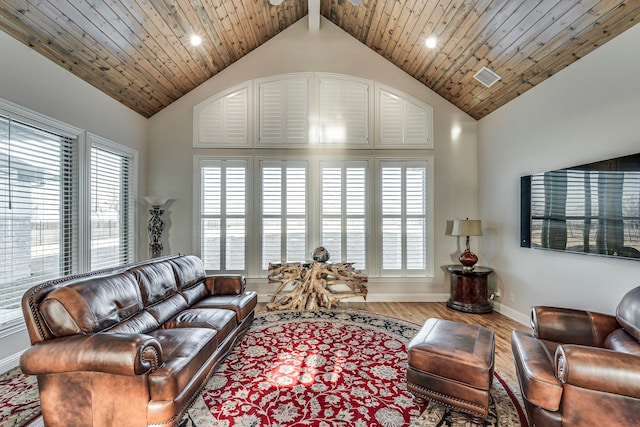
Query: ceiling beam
314,16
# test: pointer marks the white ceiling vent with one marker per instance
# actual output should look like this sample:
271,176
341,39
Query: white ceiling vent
486,77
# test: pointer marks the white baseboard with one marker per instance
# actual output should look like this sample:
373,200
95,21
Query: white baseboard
512,314
10,362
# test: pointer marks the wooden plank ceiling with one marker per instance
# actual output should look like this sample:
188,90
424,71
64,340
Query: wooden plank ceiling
138,52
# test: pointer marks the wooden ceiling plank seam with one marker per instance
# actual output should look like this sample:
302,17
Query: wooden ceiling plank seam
569,53
163,52
466,45
393,26
274,19
420,52
361,18
58,55
514,71
258,31
507,18
169,80
165,31
261,12
188,21
225,30
208,22
243,33
444,27
94,24
378,7
55,33
406,19
39,42
461,24
416,38
365,26
382,25
132,67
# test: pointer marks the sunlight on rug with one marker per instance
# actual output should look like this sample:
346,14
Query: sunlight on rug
328,368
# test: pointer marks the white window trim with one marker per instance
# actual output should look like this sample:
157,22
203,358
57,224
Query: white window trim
93,140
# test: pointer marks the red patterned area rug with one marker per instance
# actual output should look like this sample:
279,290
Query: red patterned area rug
19,401
328,368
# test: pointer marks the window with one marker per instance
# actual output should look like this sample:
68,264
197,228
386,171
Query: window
112,204
61,212
403,193
283,211
223,210
344,211
38,209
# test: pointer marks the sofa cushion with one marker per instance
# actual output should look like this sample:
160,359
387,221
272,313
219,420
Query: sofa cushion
223,321
242,304
188,271
628,312
185,351
619,340
91,304
157,282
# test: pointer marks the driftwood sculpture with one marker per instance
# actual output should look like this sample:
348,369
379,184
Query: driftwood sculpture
310,286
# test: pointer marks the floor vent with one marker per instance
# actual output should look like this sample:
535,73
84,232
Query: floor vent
486,77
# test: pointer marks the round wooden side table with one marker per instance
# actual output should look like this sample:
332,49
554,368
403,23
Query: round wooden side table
469,289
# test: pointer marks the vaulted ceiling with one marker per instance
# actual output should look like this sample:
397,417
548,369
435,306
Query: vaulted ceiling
138,51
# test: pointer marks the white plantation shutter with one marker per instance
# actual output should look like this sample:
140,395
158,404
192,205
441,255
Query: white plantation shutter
112,207
343,110
344,214
223,214
223,121
403,122
283,211
283,110
39,219
404,218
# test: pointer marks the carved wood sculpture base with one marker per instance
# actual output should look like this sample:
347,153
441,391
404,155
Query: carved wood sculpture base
310,286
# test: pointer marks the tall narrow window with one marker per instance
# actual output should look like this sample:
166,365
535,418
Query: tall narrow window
223,215
38,210
112,205
344,213
404,218
283,211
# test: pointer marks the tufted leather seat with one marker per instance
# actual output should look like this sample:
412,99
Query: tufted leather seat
133,345
581,368
452,363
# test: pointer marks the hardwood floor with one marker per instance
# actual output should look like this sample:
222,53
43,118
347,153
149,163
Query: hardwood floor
418,312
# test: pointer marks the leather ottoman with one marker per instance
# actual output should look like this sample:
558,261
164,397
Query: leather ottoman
452,363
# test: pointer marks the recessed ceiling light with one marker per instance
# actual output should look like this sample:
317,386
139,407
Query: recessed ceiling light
431,42
195,40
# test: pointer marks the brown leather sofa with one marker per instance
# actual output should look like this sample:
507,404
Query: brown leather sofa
131,346
581,368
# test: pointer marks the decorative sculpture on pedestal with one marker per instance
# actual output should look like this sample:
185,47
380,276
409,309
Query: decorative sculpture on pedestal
156,224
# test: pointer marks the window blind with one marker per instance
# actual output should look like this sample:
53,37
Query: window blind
284,111
224,121
38,210
283,211
404,217
343,111
223,202
112,208
403,122
344,214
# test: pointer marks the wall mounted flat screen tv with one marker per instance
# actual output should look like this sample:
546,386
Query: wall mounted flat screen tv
589,209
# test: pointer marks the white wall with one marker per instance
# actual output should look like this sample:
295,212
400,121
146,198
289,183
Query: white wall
329,50
589,111
32,81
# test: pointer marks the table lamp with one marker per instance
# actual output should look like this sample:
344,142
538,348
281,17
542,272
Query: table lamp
467,227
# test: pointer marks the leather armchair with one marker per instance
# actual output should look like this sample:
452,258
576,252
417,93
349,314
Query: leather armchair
581,368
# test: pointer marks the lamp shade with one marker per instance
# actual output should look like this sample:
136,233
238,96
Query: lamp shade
466,227
156,200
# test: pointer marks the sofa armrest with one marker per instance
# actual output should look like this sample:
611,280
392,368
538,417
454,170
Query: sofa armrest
120,354
598,369
571,326
225,284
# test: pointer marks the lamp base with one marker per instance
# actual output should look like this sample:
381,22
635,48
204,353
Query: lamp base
468,259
